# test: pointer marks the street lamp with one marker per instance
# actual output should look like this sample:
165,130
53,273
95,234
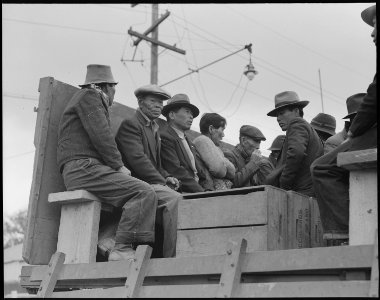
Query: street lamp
250,71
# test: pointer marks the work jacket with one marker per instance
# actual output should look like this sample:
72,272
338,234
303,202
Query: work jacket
85,131
140,148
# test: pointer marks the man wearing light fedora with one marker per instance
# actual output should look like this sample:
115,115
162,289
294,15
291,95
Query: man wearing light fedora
301,147
139,142
179,156
324,125
251,167
352,103
88,159
331,182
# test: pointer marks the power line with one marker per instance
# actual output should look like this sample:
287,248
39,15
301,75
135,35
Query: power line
20,97
18,155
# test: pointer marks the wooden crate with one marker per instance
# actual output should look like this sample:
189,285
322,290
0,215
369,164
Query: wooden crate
207,221
298,227
316,229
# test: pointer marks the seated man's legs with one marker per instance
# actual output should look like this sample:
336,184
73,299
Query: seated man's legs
331,185
138,199
168,201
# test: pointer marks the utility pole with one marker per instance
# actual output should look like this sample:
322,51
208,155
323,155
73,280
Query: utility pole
154,49
320,88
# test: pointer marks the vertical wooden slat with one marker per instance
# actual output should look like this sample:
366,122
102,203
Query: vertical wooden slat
230,278
137,271
374,286
48,283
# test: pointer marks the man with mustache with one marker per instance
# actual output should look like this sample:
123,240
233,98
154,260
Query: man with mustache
179,155
139,143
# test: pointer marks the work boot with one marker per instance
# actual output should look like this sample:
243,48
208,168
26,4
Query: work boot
122,252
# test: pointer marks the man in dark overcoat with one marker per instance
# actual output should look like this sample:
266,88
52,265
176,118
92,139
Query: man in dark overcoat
179,156
301,147
331,182
139,143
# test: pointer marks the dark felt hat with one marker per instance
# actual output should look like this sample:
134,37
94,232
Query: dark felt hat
252,132
277,142
368,14
324,122
152,89
284,99
98,74
180,100
353,102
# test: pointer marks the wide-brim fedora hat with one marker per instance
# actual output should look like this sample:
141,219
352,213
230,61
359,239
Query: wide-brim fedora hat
98,74
324,122
368,15
353,102
152,89
177,101
285,99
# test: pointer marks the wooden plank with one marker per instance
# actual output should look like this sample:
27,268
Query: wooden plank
231,274
324,258
277,219
358,160
137,271
363,206
50,279
298,221
316,229
78,231
229,210
213,241
374,286
72,196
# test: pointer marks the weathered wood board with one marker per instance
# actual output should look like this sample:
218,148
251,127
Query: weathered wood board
316,229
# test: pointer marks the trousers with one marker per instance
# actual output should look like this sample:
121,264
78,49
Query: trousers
140,202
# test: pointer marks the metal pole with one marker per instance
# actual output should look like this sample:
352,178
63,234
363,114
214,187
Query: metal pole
154,49
320,88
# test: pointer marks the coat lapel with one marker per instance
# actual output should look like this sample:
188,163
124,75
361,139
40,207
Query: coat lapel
179,142
148,133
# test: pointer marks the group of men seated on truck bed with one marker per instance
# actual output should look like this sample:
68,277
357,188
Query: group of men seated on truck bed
145,167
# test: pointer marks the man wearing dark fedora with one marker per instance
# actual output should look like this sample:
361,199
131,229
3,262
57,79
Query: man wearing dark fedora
301,147
275,149
179,156
324,125
88,159
251,167
331,182
139,143
352,103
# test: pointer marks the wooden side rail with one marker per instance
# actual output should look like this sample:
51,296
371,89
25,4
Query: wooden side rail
363,221
79,224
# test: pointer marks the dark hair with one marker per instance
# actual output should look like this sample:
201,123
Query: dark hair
175,109
213,119
300,109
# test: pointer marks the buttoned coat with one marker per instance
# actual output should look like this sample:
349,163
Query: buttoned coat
301,147
140,149
176,161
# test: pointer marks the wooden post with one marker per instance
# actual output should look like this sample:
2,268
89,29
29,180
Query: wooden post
374,286
154,49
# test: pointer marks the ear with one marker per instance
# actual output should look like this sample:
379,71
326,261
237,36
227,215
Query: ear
210,128
171,115
297,111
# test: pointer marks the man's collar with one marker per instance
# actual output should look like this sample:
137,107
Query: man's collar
180,133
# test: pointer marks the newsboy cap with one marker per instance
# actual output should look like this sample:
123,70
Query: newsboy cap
368,15
180,100
277,142
98,74
285,99
324,122
152,89
252,132
353,102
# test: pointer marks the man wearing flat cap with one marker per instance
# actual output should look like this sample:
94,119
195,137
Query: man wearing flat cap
251,167
179,156
139,143
331,182
324,125
301,147
353,103
88,159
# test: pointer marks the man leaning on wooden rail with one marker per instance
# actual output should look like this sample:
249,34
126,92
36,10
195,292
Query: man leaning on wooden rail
88,159
331,183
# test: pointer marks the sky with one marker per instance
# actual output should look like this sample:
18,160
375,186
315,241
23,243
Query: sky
320,51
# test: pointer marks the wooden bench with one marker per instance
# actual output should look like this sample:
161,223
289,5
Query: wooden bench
363,220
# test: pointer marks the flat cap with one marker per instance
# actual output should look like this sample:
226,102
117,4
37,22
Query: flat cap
252,132
152,89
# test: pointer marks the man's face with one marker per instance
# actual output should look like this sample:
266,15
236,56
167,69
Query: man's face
151,106
182,119
275,154
374,32
285,115
111,90
217,134
250,144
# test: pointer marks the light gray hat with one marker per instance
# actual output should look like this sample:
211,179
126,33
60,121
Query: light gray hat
152,89
284,99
